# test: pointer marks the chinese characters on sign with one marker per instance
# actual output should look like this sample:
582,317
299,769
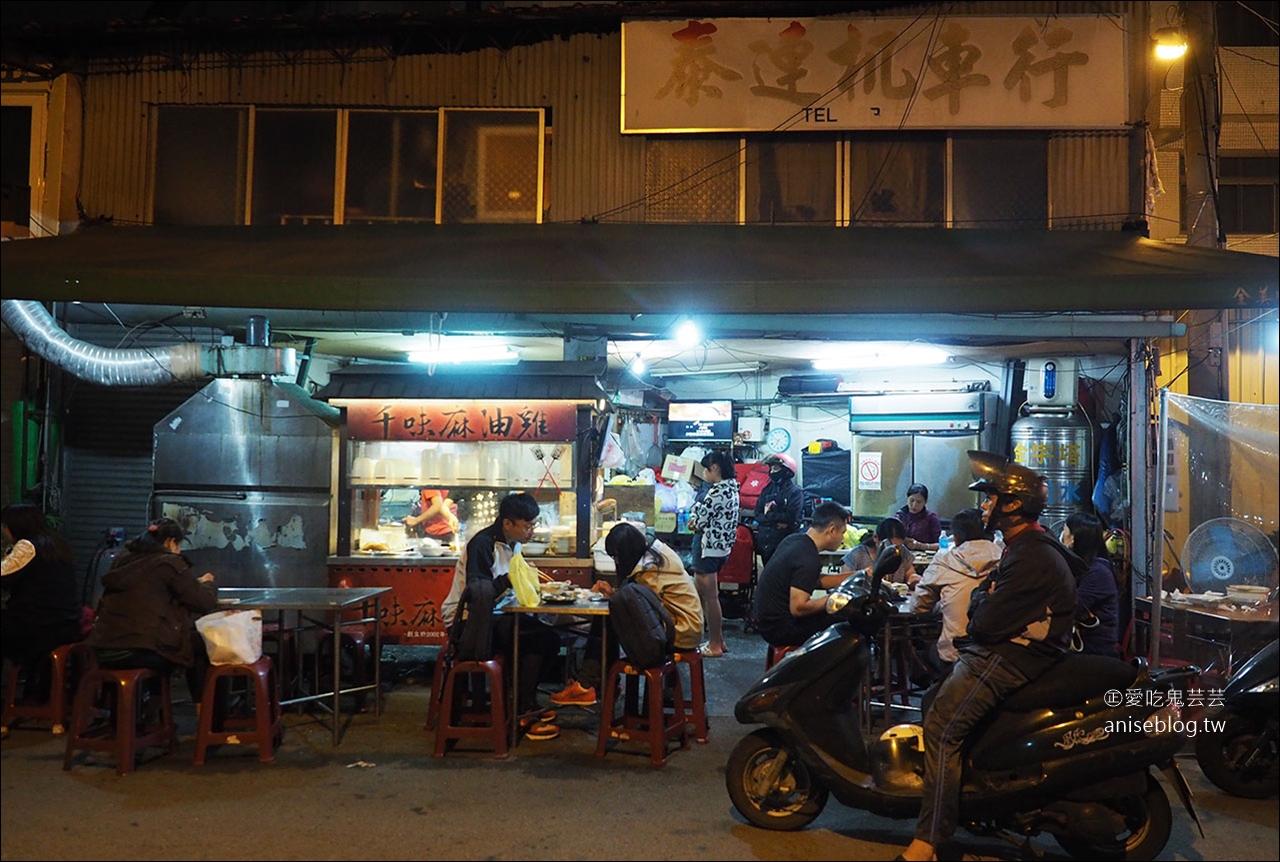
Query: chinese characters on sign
739,74
461,421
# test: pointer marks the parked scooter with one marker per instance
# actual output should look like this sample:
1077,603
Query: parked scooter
1240,754
1053,758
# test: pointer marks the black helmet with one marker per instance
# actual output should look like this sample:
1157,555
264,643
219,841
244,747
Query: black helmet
996,474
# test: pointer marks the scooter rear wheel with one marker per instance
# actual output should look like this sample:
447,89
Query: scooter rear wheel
770,786
1148,822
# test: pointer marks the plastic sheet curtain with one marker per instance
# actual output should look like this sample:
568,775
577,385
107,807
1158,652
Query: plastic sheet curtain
1218,463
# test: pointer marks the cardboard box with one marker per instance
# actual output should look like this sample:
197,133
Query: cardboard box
678,469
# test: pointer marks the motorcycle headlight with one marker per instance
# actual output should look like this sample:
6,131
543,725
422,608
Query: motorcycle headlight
836,601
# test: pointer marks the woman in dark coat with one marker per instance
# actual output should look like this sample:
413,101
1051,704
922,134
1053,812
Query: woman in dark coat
150,601
1097,597
42,610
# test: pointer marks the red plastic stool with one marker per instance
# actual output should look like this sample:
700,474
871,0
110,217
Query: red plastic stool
697,700
127,731
67,664
775,655
444,661
283,642
356,640
469,710
651,722
219,726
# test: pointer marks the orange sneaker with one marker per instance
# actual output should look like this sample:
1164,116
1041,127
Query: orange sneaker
574,694
538,730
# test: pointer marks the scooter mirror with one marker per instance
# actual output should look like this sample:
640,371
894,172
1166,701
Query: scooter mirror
886,563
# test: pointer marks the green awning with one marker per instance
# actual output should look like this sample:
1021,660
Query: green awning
633,268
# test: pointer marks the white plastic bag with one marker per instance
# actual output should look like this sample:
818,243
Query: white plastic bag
232,637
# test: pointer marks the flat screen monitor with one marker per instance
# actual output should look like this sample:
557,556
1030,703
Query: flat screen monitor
700,421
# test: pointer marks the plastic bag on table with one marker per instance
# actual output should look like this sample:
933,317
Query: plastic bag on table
524,581
232,637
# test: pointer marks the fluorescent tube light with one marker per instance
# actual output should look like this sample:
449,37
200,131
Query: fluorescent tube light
740,368
885,354
491,353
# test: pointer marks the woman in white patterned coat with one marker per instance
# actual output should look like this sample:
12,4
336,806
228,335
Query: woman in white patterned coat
715,519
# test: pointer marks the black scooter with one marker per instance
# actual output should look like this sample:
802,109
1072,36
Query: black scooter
1237,746
1053,758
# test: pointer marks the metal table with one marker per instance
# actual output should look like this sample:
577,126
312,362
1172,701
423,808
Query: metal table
578,608
329,603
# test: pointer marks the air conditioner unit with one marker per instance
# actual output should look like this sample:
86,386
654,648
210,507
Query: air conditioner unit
924,411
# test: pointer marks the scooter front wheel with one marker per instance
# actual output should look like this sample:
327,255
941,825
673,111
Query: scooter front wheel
1241,758
770,785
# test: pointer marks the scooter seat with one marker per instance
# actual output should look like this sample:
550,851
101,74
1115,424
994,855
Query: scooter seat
1073,680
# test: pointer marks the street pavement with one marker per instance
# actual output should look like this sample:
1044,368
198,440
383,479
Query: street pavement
381,795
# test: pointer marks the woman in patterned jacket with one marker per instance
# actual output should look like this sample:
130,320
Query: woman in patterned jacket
715,519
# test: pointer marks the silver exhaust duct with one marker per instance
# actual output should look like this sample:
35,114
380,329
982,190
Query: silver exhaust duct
37,329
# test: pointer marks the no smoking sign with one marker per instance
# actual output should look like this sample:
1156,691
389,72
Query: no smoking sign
869,471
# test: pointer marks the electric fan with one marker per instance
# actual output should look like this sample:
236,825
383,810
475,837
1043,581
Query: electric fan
1227,552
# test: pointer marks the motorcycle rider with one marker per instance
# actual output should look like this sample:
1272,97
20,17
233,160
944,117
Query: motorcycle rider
779,506
1020,623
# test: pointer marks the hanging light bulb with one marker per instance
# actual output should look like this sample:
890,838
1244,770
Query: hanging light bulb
637,366
688,335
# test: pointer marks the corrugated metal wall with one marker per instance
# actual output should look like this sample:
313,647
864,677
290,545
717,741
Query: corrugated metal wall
1089,180
593,166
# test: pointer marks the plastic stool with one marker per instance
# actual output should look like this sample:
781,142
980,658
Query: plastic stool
444,661
67,664
650,723
775,655
122,689
265,728
697,699
283,642
473,713
357,639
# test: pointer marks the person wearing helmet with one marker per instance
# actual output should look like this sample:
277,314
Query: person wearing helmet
778,508
1020,622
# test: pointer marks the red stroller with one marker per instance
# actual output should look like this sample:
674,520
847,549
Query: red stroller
737,579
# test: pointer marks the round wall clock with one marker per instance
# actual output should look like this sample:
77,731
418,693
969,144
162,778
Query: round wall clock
779,439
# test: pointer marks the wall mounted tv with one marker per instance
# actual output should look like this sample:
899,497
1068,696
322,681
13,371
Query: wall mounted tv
700,421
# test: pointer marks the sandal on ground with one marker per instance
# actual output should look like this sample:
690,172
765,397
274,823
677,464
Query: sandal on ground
705,652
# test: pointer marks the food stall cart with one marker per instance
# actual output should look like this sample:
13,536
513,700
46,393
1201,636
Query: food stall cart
479,436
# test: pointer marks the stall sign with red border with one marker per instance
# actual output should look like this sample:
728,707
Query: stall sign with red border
460,421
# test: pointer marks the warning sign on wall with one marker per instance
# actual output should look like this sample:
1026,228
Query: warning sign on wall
869,471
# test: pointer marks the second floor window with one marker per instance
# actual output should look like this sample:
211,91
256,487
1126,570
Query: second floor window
249,165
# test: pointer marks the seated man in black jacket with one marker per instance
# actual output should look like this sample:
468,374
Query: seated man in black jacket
487,558
1020,622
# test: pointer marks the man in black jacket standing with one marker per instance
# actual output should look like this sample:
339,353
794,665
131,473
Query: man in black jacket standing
1020,621
779,506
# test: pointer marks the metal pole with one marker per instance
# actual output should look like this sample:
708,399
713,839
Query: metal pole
1157,556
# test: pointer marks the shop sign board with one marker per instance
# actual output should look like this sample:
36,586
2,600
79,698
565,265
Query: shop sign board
461,421
927,72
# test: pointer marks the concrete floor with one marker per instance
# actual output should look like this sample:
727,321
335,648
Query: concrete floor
381,795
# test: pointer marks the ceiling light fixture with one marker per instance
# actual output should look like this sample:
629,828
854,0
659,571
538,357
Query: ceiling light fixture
739,368
688,335
637,366
458,352
883,354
